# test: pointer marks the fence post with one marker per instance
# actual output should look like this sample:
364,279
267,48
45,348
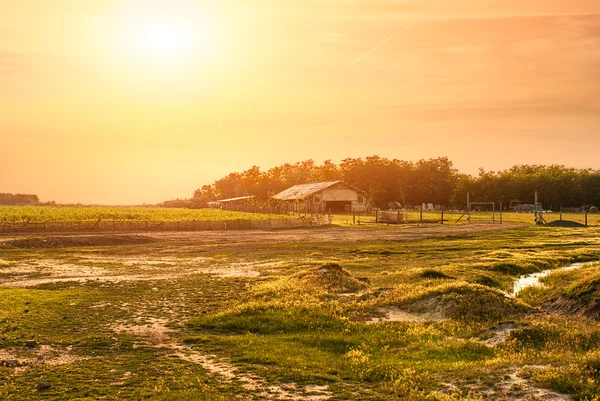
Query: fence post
353,218
586,219
421,214
442,215
561,213
376,216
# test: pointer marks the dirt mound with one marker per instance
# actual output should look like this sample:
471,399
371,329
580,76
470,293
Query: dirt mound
457,300
581,298
78,241
564,223
572,307
331,278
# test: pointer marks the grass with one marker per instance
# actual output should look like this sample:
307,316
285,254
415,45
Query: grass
301,318
454,217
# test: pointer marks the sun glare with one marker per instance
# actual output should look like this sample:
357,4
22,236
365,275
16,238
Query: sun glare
164,41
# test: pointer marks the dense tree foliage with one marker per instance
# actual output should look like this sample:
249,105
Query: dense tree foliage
18,199
556,186
412,183
383,180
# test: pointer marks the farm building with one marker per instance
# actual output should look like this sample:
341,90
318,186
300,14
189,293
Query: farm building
233,203
323,197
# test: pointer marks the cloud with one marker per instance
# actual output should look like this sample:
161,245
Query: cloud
361,58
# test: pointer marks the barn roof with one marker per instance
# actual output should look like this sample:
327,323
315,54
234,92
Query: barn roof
236,199
302,191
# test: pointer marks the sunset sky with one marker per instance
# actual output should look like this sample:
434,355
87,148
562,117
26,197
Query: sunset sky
131,101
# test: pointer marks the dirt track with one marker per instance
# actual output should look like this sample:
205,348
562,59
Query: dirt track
331,234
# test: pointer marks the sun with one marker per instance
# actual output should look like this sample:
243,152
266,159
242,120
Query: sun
170,41
162,38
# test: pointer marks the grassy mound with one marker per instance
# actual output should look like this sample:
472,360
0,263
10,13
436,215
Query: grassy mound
331,278
434,274
326,279
572,292
581,298
456,300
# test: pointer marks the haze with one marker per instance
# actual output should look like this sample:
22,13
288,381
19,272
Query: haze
123,102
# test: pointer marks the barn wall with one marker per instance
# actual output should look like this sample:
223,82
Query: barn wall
339,194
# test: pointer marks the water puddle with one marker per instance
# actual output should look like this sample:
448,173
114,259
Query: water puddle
533,280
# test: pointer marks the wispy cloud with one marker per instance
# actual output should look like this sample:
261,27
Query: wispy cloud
373,50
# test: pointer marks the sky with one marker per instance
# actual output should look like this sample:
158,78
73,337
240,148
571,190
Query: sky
130,101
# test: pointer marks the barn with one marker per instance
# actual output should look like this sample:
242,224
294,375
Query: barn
233,203
323,197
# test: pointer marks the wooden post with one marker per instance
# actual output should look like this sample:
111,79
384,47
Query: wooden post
537,217
398,217
501,209
586,218
354,218
421,214
376,216
468,209
494,213
561,213
442,221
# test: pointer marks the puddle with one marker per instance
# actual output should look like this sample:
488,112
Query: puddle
533,280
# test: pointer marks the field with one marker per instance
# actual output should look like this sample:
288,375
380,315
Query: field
44,214
458,217
378,313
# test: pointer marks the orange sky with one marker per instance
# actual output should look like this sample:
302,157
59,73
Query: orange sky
89,115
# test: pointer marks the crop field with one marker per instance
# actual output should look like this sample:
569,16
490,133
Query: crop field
44,214
338,313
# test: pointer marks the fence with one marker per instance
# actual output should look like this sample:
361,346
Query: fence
149,226
279,209
408,217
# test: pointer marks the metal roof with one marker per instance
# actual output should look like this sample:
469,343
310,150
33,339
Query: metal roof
236,199
304,190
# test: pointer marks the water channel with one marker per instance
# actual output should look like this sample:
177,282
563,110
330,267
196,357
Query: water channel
533,280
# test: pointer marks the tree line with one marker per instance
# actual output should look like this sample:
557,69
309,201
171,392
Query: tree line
18,199
413,183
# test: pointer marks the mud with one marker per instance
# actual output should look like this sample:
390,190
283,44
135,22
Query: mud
393,314
332,234
34,273
43,355
49,242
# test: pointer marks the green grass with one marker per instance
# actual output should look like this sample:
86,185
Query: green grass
41,214
303,319
453,218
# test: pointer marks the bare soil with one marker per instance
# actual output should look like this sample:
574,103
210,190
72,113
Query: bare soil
50,242
332,234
